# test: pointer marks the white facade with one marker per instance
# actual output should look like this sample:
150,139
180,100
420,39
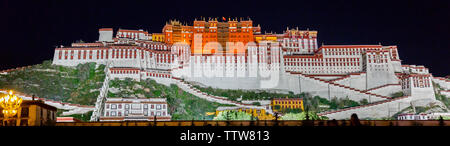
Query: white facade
106,35
412,117
128,109
358,72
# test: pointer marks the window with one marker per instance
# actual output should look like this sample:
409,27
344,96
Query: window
120,106
113,113
158,107
136,106
145,106
113,106
24,112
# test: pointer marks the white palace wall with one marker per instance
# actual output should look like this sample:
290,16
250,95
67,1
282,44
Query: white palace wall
387,90
354,81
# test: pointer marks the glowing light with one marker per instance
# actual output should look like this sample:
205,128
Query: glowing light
10,104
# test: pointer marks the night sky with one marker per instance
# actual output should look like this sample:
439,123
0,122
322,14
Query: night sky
421,29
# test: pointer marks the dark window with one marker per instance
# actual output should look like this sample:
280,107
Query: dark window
24,112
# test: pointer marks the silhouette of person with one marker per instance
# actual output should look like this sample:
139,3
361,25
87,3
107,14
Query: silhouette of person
354,120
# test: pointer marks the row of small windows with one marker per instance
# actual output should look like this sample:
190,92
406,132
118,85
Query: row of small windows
326,59
124,71
321,64
146,113
134,106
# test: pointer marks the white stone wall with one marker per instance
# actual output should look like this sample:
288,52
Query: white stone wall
381,110
105,36
354,81
387,90
379,72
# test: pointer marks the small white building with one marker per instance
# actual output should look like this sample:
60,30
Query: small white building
412,117
135,109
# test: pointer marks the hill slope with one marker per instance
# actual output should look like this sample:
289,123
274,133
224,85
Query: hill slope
77,85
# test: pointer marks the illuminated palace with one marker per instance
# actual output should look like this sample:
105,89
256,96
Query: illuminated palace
234,54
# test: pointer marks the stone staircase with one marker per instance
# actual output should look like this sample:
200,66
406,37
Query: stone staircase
350,89
218,99
101,98
346,77
365,108
379,87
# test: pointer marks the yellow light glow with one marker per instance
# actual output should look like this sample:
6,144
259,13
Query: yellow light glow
10,104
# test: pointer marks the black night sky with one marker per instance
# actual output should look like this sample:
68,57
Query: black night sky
421,29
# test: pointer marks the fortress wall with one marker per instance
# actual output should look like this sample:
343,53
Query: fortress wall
73,63
319,88
285,83
380,78
387,90
423,93
382,110
354,81
397,66
129,63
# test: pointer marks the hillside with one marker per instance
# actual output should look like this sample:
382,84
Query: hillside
77,85
182,105
315,104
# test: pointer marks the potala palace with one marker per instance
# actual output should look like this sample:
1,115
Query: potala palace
235,54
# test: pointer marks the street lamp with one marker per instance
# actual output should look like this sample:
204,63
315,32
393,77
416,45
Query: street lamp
10,104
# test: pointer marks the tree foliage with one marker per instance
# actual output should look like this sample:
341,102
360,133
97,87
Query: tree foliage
78,84
233,115
302,116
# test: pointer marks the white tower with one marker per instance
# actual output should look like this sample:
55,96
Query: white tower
106,34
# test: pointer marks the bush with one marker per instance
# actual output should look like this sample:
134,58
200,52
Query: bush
256,103
233,115
397,94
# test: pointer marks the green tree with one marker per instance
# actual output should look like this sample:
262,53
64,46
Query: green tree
302,116
233,115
